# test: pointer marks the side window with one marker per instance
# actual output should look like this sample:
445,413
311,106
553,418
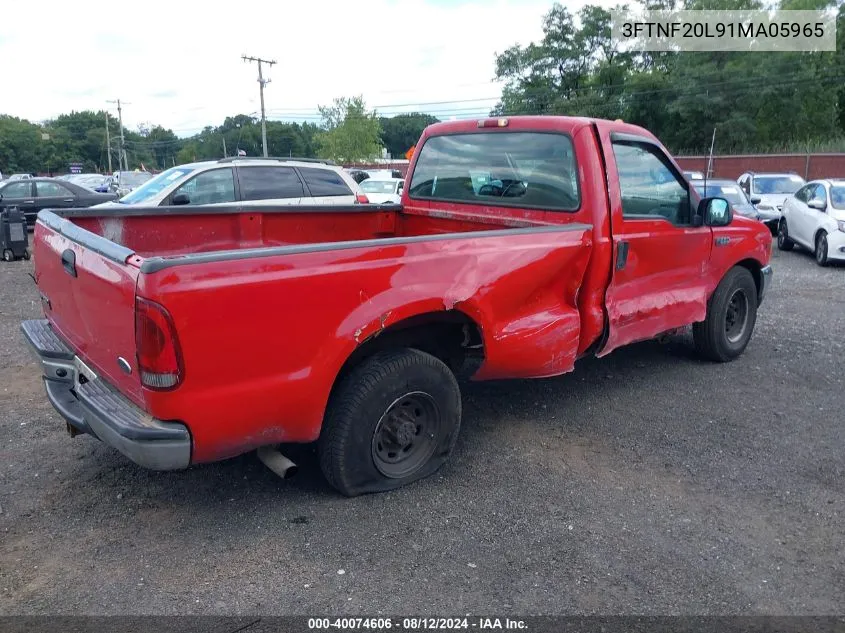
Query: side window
269,183
324,182
210,187
17,190
649,187
818,193
51,190
804,193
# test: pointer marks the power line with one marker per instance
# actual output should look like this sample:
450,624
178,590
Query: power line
261,83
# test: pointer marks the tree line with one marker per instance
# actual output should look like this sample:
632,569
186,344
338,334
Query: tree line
783,101
757,102
348,132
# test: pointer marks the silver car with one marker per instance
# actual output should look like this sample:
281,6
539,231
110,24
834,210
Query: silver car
270,181
768,192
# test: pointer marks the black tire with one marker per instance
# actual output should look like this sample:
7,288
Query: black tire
26,255
381,406
8,255
718,337
821,249
784,243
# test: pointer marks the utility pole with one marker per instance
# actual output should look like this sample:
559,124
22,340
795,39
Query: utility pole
122,154
108,141
261,83
224,147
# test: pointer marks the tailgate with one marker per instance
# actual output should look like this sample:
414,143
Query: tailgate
88,295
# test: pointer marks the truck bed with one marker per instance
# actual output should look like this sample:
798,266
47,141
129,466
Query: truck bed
172,233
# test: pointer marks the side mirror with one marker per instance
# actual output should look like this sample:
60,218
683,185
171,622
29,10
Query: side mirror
181,198
715,211
756,199
818,204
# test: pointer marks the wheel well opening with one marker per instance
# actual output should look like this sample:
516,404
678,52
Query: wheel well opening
450,335
753,266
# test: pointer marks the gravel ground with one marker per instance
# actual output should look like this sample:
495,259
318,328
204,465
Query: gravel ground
645,483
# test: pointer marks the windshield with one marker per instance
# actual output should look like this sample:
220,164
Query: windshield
134,178
777,184
731,193
89,181
378,186
152,187
837,196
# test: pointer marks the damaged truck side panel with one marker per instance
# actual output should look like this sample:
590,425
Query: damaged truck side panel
523,305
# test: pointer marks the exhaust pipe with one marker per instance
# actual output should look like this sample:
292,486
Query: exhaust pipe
278,463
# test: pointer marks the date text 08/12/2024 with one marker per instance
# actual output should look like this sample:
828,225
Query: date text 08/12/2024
415,624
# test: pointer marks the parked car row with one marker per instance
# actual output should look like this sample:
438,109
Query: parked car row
807,214
120,182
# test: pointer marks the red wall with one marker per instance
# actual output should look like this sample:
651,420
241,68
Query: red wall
808,166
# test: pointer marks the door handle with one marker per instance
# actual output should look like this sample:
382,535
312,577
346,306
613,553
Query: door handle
69,262
621,255
29,202
68,200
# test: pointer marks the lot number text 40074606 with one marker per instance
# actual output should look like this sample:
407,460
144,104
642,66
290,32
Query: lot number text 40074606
415,624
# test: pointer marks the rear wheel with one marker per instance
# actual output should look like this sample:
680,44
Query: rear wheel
784,243
731,316
26,255
821,248
392,420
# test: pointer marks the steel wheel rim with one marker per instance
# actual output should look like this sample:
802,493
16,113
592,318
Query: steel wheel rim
406,435
736,316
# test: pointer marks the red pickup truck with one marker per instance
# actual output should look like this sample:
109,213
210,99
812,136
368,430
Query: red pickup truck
183,335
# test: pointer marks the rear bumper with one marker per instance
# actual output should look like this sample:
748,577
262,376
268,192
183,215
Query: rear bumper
90,405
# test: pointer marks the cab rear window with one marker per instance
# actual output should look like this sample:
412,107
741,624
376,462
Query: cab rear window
519,169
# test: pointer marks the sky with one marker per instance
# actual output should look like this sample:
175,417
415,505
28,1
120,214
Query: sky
178,64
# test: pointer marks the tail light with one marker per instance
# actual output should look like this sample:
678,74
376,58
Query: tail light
157,348
362,199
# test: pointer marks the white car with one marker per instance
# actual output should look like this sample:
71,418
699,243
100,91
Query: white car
815,218
383,191
262,181
769,191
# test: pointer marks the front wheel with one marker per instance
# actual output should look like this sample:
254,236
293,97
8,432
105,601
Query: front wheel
784,243
8,255
821,249
731,316
394,419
